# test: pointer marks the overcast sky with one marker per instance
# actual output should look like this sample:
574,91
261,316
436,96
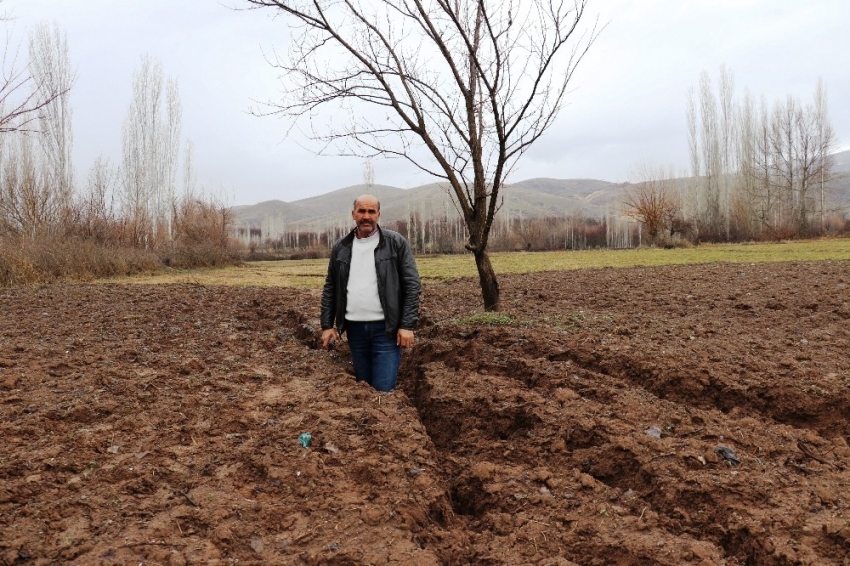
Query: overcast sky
626,107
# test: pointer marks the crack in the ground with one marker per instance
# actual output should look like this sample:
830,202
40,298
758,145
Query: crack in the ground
460,430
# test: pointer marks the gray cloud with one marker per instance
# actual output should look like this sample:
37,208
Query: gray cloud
627,105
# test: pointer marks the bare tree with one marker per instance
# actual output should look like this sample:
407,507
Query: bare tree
693,202
812,139
693,138
189,174
826,142
50,67
711,159
711,141
460,88
763,198
36,175
22,97
726,135
150,147
783,153
654,202
27,206
96,214
746,148
170,144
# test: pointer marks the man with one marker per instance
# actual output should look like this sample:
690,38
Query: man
372,293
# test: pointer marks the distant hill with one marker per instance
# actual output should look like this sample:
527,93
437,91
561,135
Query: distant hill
304,212
840,185
532,198
529,199
841,162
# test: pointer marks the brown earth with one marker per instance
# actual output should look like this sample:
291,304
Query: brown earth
160,425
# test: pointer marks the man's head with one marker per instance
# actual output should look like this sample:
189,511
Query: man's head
366,212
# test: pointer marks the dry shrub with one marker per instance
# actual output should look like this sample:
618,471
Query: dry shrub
263,256
677,243
15,268
309,254
90,246
197,221
24,261
201,236
682,243
199,254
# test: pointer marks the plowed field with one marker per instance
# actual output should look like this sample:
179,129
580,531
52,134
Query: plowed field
679,415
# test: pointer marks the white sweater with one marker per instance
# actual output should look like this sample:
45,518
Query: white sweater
363,303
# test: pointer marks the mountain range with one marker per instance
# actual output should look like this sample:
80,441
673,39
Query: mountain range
532,198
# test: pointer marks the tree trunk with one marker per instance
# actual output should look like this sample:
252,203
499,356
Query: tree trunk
489,283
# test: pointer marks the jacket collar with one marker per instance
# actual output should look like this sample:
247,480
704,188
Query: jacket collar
353,234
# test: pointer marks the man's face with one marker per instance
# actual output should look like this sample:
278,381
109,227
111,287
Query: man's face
366,215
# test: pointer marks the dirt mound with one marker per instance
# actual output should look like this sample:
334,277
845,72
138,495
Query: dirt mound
639,416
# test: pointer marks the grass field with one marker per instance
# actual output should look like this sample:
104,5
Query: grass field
310,274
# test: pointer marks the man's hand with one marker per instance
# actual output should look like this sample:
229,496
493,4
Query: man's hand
404,338
327,336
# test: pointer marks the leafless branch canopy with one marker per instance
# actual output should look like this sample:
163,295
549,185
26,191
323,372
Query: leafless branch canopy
655,202
22,97
460,88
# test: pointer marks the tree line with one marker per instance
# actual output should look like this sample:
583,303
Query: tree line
447,235
758,170
121,217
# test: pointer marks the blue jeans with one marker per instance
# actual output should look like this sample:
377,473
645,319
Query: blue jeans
376,358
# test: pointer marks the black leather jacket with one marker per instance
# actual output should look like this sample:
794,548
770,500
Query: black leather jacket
398,283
